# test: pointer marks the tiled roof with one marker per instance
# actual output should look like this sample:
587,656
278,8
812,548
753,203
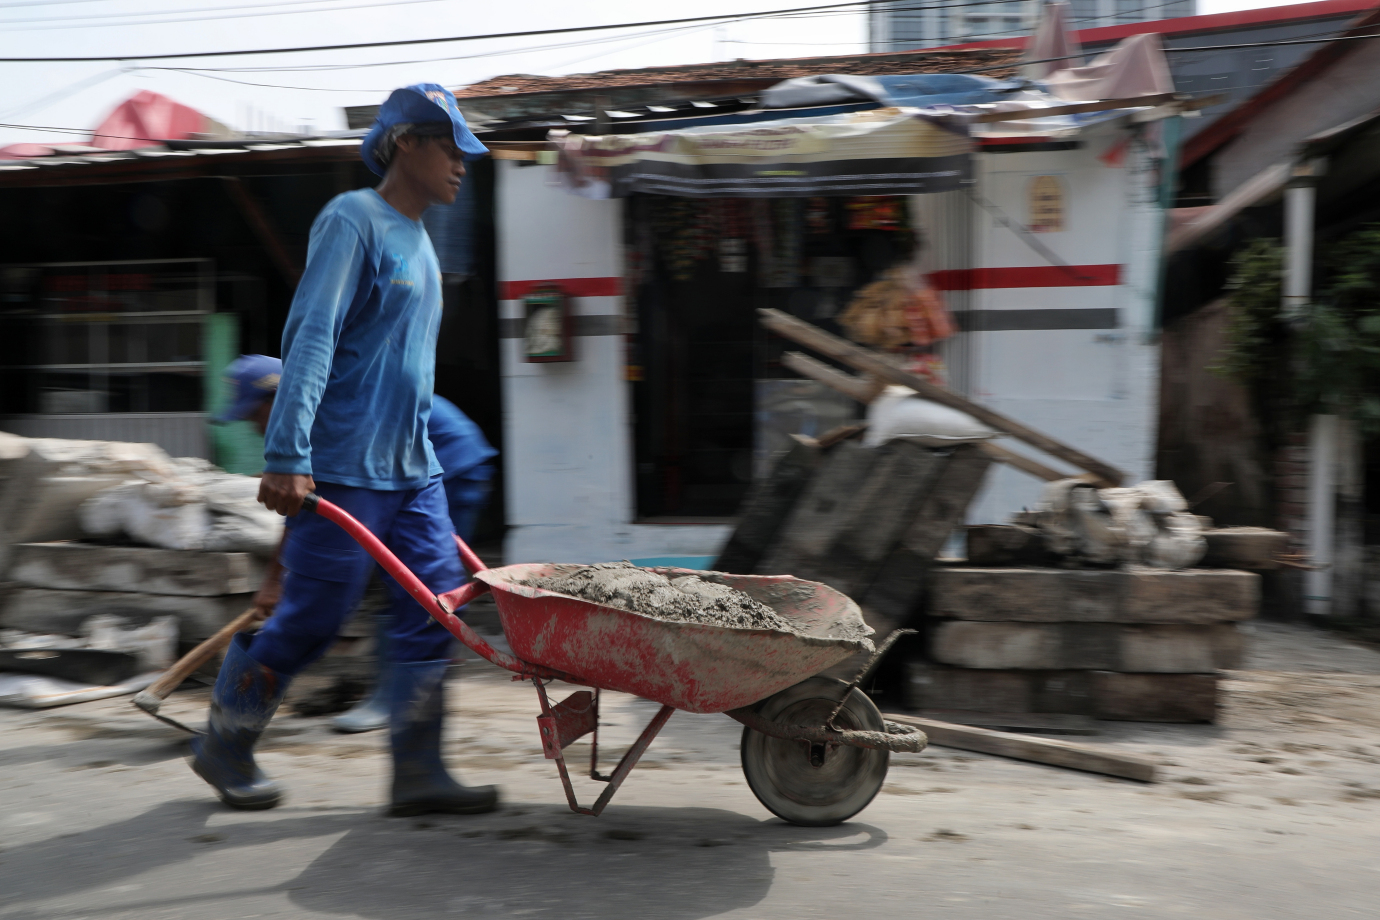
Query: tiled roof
907,62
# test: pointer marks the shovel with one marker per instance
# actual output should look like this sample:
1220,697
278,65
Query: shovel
151,698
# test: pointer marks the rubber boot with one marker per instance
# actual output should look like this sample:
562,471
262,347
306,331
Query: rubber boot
244,699
371,714
421,784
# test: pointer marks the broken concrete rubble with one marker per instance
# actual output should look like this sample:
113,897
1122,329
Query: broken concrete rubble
44,481
45,610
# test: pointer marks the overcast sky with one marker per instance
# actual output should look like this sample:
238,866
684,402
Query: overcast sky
289,91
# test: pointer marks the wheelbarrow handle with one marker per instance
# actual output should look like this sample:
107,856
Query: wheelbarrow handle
430,602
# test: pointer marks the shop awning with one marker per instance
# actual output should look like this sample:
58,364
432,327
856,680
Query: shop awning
878,152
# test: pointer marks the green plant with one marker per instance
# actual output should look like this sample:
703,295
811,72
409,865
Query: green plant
1339,347
1331,361
1256,339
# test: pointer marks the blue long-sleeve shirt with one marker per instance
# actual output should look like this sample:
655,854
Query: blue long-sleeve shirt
359,352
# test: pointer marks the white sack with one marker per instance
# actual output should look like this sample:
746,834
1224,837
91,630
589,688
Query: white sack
899,413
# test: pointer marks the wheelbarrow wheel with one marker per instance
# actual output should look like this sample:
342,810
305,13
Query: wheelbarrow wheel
814,785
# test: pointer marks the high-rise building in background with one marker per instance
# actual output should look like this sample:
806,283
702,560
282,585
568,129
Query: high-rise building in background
898,25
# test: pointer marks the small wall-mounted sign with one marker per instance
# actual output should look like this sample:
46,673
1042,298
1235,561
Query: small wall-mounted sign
1046,205
546,326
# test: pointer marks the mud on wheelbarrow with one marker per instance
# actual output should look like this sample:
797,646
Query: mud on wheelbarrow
814,750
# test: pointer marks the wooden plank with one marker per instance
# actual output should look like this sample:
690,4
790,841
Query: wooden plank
870,362
1038,750
866,389
1050,723
767,508
862,389
1022,462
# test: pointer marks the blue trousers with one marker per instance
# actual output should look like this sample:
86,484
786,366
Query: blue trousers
327,572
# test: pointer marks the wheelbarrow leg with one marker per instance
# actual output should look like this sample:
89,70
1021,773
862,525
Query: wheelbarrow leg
554,751
631,758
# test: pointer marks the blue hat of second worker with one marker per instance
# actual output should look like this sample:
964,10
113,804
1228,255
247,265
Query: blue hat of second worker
254,379
422,103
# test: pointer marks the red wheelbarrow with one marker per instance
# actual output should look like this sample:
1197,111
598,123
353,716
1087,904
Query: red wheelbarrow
814,750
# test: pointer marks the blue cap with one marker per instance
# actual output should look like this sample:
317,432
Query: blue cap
255,378
422,103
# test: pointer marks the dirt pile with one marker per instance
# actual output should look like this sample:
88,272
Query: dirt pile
687,599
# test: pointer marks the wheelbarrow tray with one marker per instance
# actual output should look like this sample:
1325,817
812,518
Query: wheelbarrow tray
691,666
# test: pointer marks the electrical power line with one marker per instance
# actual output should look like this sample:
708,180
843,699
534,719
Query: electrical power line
975,35
215,74
88,22
723,17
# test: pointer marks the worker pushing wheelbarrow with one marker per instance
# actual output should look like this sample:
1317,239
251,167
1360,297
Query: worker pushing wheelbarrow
814,750
348,435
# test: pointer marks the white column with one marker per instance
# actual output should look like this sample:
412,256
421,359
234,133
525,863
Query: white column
1322,525
1299,200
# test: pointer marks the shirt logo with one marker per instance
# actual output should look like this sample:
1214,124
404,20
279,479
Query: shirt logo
400,271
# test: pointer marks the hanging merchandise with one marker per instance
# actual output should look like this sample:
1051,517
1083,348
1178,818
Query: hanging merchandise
897,310
684,230
733,255
733,230
930,368
877,314
788,238
759,213
818,220
885,212
928,318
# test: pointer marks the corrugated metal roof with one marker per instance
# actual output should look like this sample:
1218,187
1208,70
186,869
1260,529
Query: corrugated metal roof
192,158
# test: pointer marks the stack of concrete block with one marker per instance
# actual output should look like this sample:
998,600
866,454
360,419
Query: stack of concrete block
57,586
1135,644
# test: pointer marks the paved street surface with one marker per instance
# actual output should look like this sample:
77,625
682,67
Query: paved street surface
1275,813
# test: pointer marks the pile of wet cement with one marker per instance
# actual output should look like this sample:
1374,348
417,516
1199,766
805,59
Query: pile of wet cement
687,599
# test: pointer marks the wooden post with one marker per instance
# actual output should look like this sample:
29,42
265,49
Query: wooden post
1040,750
1022,462
263,228
869,362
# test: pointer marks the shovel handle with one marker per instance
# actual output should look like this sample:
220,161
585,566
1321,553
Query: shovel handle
198,656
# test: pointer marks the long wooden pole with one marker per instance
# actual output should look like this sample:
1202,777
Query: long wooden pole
1040,750
868,362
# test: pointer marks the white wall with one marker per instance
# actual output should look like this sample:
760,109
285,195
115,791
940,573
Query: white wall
567,426
1095,389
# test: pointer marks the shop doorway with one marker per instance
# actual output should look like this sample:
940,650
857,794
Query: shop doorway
712,402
